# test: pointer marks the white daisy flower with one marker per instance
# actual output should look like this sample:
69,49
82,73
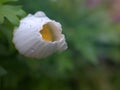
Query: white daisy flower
38,36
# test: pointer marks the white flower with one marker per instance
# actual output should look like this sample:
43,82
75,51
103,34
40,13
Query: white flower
38,36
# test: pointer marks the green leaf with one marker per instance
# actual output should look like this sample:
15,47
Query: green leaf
64,63
1,18
88,51
2,71
12,13
5,1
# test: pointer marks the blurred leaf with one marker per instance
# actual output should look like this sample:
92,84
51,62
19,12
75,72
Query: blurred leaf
64,64
12,13
88,51
6,35
4,1
2,71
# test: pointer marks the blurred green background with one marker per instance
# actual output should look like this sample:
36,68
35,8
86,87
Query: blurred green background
92,60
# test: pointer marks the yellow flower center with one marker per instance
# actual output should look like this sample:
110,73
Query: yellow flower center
46,33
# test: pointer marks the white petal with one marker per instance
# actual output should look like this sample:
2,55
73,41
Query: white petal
29,41
40,14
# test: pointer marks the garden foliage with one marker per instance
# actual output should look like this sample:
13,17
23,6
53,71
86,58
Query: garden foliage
91,61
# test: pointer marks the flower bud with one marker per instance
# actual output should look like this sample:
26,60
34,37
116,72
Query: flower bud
37,36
